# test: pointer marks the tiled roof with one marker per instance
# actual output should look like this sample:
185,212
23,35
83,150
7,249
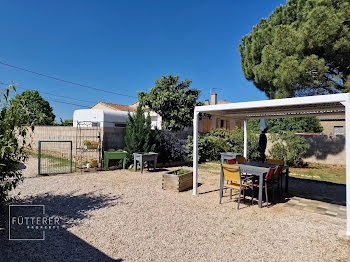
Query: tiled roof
118,107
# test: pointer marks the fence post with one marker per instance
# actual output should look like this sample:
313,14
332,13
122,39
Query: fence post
71,159
39,157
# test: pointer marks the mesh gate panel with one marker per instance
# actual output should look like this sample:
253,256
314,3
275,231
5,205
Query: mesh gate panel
55,157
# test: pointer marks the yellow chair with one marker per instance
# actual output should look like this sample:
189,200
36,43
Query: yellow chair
232,174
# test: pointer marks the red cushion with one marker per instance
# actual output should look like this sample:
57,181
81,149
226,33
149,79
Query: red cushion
270,173
231,161
278,171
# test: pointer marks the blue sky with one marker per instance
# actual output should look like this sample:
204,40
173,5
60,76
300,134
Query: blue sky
123,46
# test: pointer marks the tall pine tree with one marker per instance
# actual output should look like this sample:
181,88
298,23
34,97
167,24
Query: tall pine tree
139,135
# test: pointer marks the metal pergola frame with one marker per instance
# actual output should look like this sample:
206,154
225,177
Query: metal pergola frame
280,108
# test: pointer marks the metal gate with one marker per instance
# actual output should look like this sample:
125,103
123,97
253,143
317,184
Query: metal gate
54,157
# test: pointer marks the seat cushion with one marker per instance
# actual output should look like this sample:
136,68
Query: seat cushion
235,185
231,161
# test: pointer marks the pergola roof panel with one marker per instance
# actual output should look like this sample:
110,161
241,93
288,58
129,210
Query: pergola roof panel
288,107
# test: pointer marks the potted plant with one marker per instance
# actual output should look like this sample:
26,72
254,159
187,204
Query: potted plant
177,180
93,163
90,144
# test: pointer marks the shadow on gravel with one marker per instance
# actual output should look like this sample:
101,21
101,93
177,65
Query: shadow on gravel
317,190
59,244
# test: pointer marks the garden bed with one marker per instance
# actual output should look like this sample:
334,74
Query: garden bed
177,180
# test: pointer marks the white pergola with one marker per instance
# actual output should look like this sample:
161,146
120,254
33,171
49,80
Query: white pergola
280,108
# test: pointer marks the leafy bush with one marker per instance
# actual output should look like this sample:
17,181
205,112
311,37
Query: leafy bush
171,148
289,147
211,144
236,139
12,145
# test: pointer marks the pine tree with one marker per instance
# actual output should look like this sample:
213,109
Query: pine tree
139,135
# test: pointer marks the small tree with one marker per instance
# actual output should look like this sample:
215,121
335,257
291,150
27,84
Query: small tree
174,101
12,145
31,108
139,135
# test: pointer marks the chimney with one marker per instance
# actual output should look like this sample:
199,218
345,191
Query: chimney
213,99
206,102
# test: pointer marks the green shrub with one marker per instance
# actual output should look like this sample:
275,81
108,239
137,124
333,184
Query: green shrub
211,144
13,145
289,147
236,139
171,147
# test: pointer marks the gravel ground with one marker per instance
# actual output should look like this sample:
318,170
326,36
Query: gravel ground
30,167
125,216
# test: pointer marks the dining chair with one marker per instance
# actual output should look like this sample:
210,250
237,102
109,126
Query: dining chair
241,160
231,161
277,178
279,163
268,176
232,174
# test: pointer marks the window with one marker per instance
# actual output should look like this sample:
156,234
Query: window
154,122
119,125
228,125
338,130
238,124
220,123
206,124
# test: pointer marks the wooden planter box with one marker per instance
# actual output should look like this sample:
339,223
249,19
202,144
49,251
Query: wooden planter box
177,183
91,146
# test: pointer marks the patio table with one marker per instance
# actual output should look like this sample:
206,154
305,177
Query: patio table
142,157
228,155
259,169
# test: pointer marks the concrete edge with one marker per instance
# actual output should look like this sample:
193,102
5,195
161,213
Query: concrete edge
342,234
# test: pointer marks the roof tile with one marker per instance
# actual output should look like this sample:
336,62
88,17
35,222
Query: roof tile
119,107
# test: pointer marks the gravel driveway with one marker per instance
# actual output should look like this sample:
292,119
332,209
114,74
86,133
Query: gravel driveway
125,216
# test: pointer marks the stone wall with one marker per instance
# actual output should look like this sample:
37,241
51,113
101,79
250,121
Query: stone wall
326,149
323,149
111,138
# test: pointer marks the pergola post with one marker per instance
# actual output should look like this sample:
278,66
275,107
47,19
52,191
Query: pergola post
195,152
245,138
347,163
